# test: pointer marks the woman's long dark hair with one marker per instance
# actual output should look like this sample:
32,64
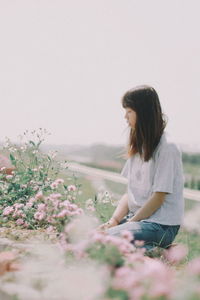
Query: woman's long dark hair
150,122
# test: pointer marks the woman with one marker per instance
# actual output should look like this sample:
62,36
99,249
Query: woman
153,208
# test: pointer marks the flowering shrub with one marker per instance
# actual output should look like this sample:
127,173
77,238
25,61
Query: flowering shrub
50,212
34,170
32,195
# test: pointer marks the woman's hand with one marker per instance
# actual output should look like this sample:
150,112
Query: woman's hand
112,222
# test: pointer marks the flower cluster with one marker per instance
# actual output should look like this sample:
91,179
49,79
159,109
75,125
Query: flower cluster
33,170
42,211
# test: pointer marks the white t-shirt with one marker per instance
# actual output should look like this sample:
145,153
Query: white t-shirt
162,173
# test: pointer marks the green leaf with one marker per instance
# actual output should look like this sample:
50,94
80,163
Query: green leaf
31,142
13,160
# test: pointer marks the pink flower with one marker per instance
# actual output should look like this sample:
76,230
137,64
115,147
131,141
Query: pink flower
51,220
18,213
29,204
54,185
19,222
41,206
125,247
7,210
137,293
59,181
18,205
176,253
39,215
39,195
9,176
158,276
65,203
136,257
98,237
193,266
63,213
79,249
127,235
73,206
126,279
55,196
71,188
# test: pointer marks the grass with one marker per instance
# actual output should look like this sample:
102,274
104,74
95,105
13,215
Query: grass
117,188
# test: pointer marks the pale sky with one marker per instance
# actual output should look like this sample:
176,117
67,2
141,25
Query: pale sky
65,64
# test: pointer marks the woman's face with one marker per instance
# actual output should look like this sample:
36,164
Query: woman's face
130,116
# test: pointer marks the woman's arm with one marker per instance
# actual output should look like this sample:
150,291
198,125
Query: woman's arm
149,207
121,210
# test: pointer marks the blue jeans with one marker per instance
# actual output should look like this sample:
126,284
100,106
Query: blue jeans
153,234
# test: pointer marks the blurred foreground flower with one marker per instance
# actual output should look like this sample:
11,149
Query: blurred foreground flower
45,275
7,263
176,253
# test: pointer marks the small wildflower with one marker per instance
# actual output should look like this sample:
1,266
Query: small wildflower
19,222
71,188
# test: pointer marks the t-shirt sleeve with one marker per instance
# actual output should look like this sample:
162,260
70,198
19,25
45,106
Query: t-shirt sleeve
165,170
125,169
